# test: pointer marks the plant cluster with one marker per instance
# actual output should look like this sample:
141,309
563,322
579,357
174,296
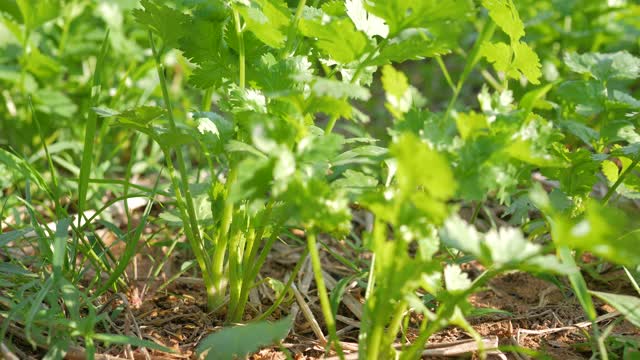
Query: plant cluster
261,115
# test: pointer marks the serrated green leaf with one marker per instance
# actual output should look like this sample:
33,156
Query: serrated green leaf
585,133
419,43
526,61
355,182
516,59
268,20
397,90
604,231
412,155
505,15
280,77
338,39
459,234
167,22
504,247
619,65
401,14
364,21
212,74
471,125
499,54
208,45
339,89
630,187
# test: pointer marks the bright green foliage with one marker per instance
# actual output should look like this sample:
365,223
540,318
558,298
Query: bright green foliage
603,67
267,19
169,24
413,156
396,86
255,117
506,16
36,12
365,21
401,15
603,231
516,59
339,39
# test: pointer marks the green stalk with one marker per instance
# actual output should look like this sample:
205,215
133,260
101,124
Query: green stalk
322,292
445,312
394,325
280,298
241,60
291,37
222,241
206,100
186,208
374,340
614,187
235,277
227,212
250,275
474,56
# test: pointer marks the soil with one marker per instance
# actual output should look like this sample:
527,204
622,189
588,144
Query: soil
177,318
522,311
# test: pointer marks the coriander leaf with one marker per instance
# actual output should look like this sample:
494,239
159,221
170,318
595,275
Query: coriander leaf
412,155
459,234
207,45
505,15
472,125
515,60
338,39
364,21
604,231
526,61
339,89
268,20
355,182
499,54
618,65
168,23
402,14
419,43
212,73
397,90
281,76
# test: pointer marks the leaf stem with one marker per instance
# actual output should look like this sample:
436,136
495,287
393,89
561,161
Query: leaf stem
187,209
473,58
241,50
623,175
292,38
312,246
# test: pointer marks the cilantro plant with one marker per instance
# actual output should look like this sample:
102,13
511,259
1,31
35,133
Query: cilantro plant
500,131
